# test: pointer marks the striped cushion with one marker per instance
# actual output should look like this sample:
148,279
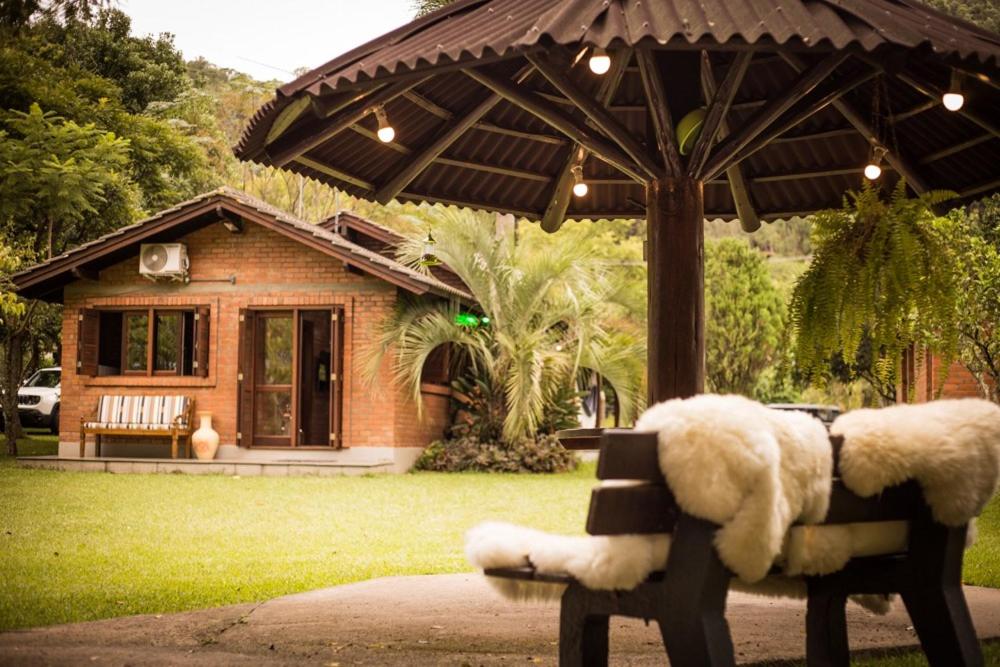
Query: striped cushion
149,412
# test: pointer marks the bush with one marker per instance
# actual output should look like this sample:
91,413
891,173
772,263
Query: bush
468,453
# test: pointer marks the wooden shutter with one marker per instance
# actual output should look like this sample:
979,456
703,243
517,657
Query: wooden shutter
337,378
202,315
87,341
244,378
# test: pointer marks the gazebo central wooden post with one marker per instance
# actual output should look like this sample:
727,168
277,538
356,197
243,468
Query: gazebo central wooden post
675,237
675,254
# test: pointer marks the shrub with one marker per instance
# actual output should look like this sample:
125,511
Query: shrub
467,453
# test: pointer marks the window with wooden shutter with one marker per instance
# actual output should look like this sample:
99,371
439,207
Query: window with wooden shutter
87,341
202,317
244,379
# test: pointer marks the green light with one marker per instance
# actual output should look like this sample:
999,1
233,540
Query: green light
484,320
466,320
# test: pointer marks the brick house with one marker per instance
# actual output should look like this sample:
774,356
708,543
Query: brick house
921,379
265,330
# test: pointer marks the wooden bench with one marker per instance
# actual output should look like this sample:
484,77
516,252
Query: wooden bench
166,416
688,599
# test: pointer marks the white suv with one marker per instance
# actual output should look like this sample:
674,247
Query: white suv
38,399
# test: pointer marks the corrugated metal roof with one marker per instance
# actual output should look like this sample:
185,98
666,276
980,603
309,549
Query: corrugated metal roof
364,255
509,160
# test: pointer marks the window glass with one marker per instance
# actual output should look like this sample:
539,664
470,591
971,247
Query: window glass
48,379
136,339
167,350
273,416
277,350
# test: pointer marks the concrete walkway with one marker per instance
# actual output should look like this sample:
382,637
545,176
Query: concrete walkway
431,620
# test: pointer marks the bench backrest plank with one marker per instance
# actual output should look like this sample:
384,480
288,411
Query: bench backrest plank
648,506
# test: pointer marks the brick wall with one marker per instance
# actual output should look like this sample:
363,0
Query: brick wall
924,375
270,270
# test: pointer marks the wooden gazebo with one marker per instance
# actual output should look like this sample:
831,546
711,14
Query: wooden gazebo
494,105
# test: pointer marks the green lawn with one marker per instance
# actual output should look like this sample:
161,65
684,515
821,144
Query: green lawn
79,546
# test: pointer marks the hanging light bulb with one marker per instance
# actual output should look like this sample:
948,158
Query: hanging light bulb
953,99
600,61
385,131
580,188
874,167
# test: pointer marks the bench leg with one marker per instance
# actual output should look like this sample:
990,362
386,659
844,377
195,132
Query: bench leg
83,442
941,618
826,630
187,447
692,610
173,446
934,598
97,445
583,638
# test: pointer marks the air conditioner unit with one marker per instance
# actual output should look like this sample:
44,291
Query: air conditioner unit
163,260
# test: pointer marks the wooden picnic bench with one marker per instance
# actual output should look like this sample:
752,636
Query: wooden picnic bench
688,598
166,416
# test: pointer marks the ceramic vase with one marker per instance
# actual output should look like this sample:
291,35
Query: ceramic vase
205,441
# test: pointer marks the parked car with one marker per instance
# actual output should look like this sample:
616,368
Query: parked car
824,413
38,399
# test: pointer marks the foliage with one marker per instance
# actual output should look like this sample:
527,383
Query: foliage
882,270
975,238
469,454
744,317
982,13
55,175
546,302
10,305
422,7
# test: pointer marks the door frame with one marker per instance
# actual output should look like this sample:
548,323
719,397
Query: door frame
339,355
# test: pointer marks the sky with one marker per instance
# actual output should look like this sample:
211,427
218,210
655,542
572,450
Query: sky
268,39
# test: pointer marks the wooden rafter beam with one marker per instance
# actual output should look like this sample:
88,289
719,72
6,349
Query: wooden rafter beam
856,120
806,109
600,147
934,92
599,116
742,198
810,136
806,82
663,125
558,204
718,107
980,189
309,136
916,110
334,173
412,168
955,148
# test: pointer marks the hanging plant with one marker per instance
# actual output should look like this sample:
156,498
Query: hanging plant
882,272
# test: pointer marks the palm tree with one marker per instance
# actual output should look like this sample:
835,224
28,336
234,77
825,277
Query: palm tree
547,304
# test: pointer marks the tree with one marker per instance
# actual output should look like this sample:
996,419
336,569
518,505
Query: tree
882,273
545,303
744,317
975,236
54,176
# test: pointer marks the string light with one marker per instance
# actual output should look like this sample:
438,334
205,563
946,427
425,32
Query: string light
953,99
385,131
580,188
874,167
600,61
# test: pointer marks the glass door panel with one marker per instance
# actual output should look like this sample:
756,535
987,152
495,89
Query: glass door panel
274,343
